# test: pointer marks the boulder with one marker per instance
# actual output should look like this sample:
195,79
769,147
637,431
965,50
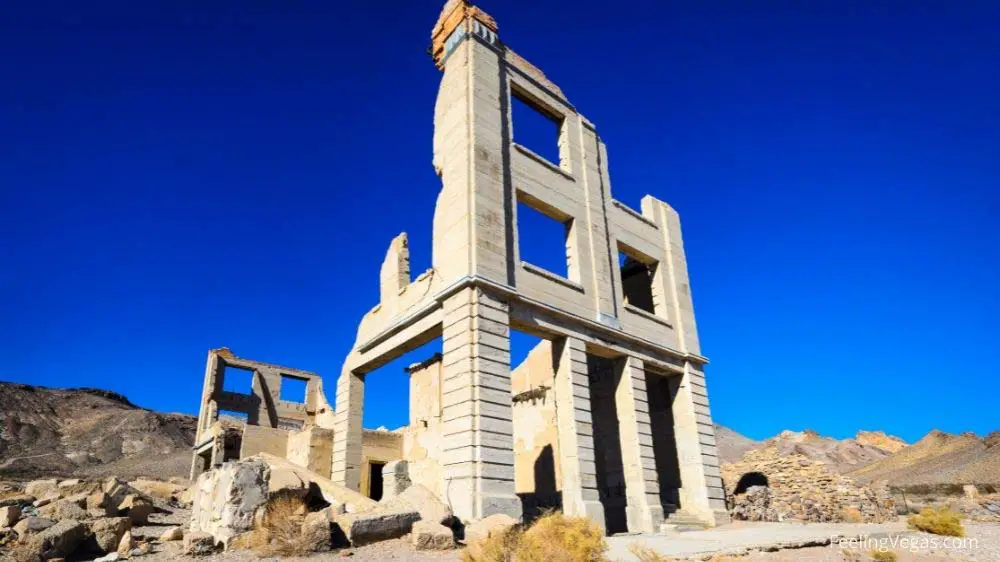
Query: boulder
228,498
199,543
41,488
137,508
487,526
375,525
172,534
71,483
107,533
418,497
117,489
429,535
32,525
63,509
42,502
126,544
9,515
58,541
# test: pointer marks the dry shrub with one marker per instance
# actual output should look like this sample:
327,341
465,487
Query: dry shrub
884,556
279,531
940,521
551,538
851,514
645,554
557,538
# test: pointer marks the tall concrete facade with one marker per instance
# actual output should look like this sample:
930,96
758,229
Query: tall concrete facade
619,324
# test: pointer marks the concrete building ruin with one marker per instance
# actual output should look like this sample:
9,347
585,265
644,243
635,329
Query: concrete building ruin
607,418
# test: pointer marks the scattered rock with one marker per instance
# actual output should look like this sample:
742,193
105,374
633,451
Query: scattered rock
73,482
107,533
228,497
112,557
316,531
126,544
199,543
32,525
22,499
487,526
9,515
137,508
172,534
429,535
63,509
99,505
970,491
117,489
42,502
41,488
375,525
57,541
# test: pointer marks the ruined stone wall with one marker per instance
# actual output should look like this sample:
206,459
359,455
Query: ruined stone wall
311,448
260,439
378,446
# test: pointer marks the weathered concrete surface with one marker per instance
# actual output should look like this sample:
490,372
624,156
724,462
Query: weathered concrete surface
376,525
428,535
59,540
106,533
739,537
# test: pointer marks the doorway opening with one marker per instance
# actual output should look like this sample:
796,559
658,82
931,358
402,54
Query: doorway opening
604,377
375,480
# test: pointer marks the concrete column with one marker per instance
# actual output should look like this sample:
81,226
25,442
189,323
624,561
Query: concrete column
478,457
701,493
347,431
580,496
642,489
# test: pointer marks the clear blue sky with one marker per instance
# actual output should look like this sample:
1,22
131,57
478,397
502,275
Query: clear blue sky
181,175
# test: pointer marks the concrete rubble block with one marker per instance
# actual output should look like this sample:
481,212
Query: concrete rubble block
228,498
71,483
137,508
32,525
126,544
285,473
395,478
429,535
9,515
117,489
419,498
198,543
44,501
63,509
106,533
57,541
41,488
488,526
375,525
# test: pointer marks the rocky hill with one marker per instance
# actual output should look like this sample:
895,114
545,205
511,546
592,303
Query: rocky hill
732,445
79,432
840,455
939,458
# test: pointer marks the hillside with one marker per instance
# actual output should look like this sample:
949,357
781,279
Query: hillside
939,458
732,445
45,431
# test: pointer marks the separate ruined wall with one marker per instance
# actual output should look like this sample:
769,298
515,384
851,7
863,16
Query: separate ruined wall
259,439
537,474
378,446
423,442
311,448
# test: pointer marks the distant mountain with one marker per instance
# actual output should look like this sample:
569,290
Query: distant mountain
731,445
939,458
67,432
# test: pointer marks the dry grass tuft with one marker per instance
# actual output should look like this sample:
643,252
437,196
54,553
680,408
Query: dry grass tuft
551,538
940,521
884,556
645,554
851,514
279,532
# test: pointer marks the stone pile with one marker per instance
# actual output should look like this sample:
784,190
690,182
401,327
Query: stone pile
52,519
768,486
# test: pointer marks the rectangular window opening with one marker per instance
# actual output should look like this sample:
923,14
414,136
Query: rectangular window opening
543,241
293,389
233,417
237,380
535,127
637,279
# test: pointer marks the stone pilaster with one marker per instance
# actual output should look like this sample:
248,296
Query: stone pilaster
478,457
580,495
347,431
642,489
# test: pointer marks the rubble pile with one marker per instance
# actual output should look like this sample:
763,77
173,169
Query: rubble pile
53,519
767,486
